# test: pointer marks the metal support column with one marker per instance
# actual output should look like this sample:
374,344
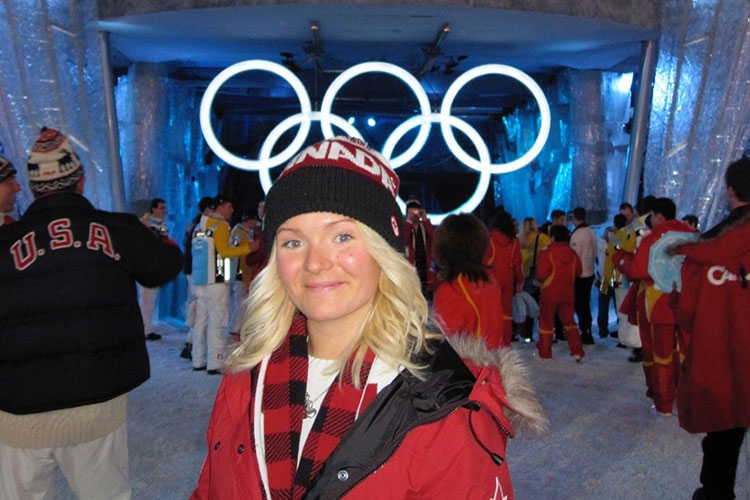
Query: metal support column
118,190
639,131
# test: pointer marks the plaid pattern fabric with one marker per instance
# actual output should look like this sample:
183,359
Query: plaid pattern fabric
283,407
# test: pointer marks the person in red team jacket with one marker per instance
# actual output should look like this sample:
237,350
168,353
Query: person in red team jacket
713,394
656,320
468,300
340,389
557,270
504,256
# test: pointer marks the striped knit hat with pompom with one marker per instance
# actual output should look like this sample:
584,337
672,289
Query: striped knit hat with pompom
53,165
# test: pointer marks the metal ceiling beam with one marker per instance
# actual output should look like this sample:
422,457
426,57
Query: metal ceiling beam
432,51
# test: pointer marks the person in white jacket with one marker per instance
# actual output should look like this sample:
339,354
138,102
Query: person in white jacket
583,241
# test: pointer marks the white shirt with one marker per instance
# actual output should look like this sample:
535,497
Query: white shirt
583,241
320,375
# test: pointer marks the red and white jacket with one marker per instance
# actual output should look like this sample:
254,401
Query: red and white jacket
398,448
714,308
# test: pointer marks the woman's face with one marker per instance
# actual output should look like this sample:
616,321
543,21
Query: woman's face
326,270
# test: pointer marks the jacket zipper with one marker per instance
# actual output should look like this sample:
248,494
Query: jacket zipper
497,421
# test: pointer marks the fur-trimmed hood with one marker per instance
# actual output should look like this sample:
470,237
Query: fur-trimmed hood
527,415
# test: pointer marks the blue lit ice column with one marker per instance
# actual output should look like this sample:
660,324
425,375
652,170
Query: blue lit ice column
143,117
143,111
589,183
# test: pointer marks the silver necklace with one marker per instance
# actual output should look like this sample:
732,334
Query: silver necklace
310,410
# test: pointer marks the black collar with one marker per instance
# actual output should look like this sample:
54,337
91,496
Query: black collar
59,200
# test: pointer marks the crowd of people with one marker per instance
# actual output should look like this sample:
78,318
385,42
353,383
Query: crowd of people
360,346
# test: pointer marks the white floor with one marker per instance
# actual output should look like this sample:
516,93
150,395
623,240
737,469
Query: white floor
605,442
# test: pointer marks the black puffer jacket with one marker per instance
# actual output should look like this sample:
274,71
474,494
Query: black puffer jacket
71,331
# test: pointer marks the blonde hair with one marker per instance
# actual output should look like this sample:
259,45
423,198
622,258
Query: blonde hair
394,328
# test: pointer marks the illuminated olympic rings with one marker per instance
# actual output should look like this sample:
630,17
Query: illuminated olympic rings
423,120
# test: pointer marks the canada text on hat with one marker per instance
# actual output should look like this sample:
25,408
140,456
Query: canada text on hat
349,153
7,170
53,165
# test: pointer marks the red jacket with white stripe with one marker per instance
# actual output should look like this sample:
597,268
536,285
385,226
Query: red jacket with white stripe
714,387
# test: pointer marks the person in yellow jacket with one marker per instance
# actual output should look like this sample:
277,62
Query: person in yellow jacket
244,232
528,238
213,273
608,279
533,241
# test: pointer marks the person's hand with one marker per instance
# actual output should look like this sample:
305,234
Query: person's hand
672,249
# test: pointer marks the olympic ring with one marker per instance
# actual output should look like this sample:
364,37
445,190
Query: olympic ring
536,91
278,130
484,156
424,120
210,94
407,78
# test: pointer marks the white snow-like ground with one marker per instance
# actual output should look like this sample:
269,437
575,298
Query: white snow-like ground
604,443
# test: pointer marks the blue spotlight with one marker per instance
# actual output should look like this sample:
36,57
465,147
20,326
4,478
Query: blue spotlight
351,120
371,121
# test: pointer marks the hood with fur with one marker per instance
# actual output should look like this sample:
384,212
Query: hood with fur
527,415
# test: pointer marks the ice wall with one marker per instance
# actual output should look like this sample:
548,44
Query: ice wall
700,117
51,75
584,160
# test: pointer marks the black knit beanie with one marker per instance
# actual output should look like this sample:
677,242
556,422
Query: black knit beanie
339,175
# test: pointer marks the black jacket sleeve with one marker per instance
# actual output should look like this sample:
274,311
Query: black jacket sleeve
153,261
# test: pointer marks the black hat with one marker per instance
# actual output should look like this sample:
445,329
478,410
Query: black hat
340,175
219,200
413,202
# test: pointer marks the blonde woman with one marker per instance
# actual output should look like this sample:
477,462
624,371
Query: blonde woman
338,389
